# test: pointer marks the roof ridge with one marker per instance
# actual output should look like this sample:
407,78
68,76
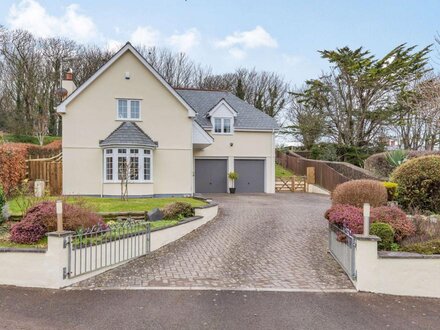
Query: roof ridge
201,89
140,129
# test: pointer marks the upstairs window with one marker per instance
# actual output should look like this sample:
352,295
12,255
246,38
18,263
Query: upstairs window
222,125
129,109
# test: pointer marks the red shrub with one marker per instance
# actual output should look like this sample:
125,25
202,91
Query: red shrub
41,219
394,216
12,165
13,161
346,216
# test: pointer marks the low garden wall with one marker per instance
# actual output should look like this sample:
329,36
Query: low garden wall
397,273
46,268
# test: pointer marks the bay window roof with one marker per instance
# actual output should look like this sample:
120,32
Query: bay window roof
128,134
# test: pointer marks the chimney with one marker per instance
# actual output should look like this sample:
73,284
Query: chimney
68,83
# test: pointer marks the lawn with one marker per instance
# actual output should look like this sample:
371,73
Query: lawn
27,139
114,204
281,171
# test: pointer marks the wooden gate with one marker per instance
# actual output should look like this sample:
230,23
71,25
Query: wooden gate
292,184
48,169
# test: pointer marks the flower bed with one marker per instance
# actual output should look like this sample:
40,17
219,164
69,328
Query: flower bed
398,230
40,219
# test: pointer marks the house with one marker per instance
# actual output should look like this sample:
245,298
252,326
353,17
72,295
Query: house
126,121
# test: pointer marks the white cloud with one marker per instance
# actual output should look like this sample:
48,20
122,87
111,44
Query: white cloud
185,41
145,36
255,38
237,53
30,15
114,45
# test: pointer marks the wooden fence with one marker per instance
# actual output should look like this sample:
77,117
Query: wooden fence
325,176
48,169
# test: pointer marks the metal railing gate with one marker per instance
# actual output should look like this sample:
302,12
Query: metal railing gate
99,247
342,246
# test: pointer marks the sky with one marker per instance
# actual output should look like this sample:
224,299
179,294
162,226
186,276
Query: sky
281,36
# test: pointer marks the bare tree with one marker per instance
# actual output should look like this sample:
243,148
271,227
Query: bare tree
418,114
304,122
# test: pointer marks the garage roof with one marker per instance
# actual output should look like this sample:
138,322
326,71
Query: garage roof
249,117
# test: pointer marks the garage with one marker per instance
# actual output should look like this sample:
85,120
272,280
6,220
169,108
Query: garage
211,175
251,175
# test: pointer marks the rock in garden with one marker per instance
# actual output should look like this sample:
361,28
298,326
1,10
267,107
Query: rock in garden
155,214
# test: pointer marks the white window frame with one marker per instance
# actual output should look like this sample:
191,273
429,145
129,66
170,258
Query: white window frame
142,154
222,125
129,118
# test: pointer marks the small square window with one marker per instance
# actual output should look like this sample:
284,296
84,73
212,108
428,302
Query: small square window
122,151
147,152
109,151
134,151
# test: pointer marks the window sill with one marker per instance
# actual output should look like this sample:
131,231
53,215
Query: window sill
129,182
222,133
129,119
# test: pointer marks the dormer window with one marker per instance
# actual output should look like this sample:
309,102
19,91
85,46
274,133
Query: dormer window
222,117
128,109
222,125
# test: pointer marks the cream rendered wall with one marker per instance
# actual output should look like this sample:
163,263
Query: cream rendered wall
245,145
91,117
406,276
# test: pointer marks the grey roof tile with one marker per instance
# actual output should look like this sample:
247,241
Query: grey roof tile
128,134
248,117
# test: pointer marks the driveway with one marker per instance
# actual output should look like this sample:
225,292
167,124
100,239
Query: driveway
272,242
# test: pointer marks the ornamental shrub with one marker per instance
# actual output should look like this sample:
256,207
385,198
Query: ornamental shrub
346,216
392,215
178,210
358,192
419,184
426,229
12,165
391,188
42,219
385,232
429,247
379,164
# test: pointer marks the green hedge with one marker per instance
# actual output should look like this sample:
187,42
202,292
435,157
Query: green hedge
419,184
386,234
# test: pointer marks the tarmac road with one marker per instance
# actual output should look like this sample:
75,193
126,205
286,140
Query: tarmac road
188,309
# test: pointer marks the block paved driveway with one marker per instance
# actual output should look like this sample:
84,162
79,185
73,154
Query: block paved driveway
257,242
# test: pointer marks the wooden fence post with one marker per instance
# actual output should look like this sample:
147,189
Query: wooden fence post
311,177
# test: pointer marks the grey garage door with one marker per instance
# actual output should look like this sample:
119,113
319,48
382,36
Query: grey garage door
251,175
211,175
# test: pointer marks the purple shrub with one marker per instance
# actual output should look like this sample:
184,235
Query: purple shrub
41,219
346,216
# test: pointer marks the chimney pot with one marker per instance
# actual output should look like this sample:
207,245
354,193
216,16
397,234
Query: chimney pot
69,75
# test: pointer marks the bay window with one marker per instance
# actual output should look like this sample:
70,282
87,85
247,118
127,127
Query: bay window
132,164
